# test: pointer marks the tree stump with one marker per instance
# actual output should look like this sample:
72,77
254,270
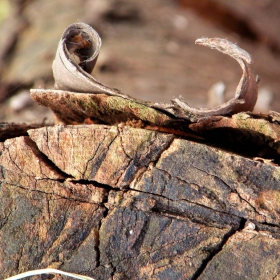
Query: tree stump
128,194
117,202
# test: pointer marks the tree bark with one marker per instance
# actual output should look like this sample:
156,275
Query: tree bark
116,202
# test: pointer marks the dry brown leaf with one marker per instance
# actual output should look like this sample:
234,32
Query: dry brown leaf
76,56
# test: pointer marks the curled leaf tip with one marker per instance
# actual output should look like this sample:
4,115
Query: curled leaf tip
225,47
76,55
246,92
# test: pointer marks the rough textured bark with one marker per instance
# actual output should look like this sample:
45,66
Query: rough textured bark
116,202
10,130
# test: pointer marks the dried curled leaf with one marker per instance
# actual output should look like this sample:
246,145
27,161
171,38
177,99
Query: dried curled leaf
76,56
246,92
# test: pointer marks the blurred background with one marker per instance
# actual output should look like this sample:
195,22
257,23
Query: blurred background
148,49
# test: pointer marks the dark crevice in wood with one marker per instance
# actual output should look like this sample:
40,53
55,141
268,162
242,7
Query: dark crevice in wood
50,193
165,206
242,224
95,183
214,251
241,147
273,229
56,180
270,225
168,144
105,214
114,270
96,247
97,165
42,157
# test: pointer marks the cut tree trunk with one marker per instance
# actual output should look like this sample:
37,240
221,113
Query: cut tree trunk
116,202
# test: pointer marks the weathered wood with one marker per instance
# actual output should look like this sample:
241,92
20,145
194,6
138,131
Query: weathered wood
10,130
116,202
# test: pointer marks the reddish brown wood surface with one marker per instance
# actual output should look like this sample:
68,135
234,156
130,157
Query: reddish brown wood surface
128,203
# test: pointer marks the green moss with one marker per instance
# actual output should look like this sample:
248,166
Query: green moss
261,126
145,113
89,105
276,174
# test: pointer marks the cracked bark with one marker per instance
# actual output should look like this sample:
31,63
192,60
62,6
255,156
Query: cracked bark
128,203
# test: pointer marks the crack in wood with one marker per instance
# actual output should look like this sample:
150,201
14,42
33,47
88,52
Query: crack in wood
232,189
215,250
145,195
